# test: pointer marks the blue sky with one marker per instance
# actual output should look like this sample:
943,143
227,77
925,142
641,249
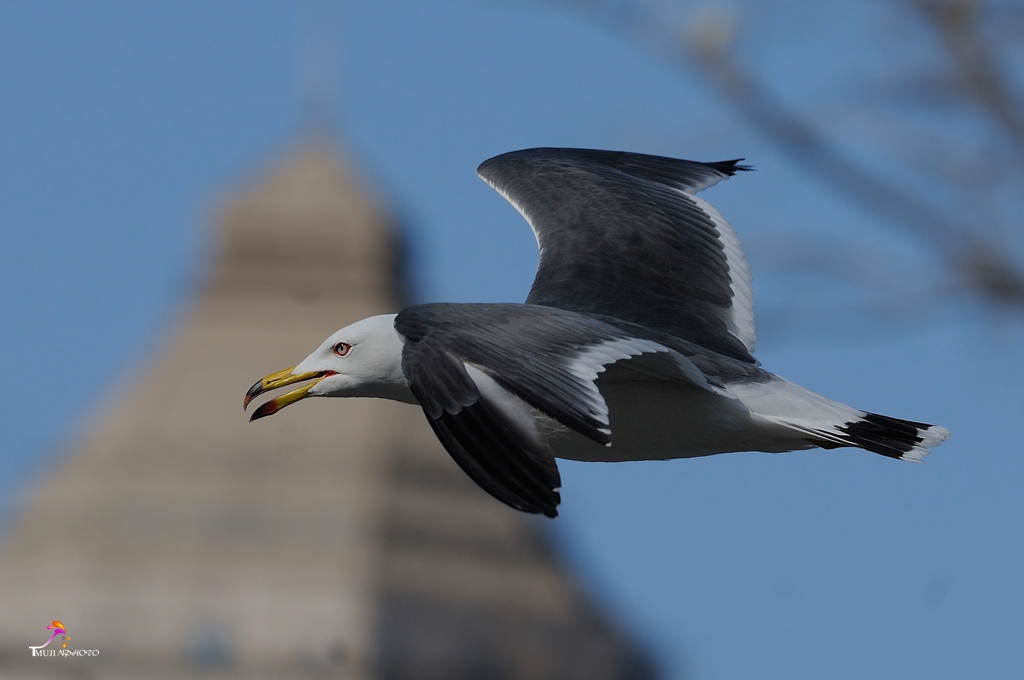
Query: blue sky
120,123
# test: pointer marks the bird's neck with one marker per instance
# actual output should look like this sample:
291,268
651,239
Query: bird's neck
388,380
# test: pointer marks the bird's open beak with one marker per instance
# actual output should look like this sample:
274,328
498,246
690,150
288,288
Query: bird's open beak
280,379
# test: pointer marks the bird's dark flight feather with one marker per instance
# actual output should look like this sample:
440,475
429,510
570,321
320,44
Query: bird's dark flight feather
621,235
517,469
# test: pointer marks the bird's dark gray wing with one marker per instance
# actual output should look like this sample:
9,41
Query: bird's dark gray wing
623,235
504,455
477,369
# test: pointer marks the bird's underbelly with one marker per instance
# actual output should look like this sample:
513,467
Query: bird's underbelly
662,420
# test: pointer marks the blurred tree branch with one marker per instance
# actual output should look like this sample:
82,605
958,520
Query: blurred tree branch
976,69
968,242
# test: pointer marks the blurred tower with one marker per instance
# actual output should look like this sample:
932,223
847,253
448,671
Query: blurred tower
335,540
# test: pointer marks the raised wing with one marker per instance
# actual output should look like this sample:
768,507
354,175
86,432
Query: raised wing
623,235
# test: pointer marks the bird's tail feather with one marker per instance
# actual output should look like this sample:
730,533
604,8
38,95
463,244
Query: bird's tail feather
829,424
892,437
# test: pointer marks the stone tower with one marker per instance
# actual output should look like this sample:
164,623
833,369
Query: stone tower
335,540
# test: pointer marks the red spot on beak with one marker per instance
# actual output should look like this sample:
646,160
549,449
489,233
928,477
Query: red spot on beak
268,409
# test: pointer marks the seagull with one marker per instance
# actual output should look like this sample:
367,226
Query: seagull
635,342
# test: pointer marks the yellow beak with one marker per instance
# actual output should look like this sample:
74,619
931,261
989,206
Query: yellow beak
276,380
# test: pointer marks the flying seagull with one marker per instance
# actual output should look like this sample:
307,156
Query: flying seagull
635,342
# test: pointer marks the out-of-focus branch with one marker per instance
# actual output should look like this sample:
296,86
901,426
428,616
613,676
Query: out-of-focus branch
992,273
970,251
981,266
976,70
803,144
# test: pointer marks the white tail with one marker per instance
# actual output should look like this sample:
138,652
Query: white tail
830,424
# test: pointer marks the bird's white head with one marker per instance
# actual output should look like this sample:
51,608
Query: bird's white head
361,360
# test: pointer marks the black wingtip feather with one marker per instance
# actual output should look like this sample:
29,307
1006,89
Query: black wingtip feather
512,466
509,167
730,168
502,464
519,489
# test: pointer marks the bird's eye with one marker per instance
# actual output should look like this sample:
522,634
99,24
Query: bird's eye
342,348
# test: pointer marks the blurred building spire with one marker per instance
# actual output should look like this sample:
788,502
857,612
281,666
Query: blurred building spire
337,540
320,67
